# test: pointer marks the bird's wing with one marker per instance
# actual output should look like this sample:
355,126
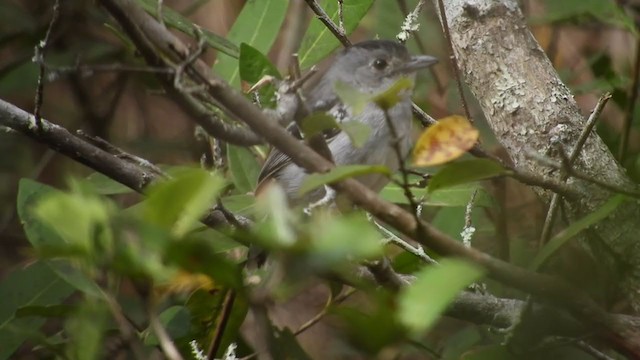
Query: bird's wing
276,160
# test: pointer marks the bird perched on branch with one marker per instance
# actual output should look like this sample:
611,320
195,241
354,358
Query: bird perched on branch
369,68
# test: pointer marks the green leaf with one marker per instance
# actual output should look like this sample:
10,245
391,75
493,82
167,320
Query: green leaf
458,195
337,239
390,97
86,328
338,173
278,219
199,256
317,123
179,22
35,285
465,171
257,25
421,304
574,229
358,132
254,65
351,96
240,204
38,233
82,221
178,204
244,168
42,236
318,41
104,185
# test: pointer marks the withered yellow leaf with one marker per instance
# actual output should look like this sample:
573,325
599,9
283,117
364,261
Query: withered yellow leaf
447,140
184,282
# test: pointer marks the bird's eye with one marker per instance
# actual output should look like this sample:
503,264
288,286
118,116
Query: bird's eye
380,64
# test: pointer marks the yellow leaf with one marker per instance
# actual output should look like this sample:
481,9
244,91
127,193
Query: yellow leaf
445,141
184,282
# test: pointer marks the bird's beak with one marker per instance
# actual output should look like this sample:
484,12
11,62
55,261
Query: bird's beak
418,62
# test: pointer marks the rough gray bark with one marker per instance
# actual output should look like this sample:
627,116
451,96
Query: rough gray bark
529,108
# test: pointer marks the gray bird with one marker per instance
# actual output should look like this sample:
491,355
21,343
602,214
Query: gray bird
371,67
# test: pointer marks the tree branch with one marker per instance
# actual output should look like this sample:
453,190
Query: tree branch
576,301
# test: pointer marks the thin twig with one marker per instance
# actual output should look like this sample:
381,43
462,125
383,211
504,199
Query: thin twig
395,144
454,60
38,58
326,20
468,230
330,302
411,23
159,16
423,49
86,70
225,314
582,176
555,199
166,344
631,107
341,16
396,240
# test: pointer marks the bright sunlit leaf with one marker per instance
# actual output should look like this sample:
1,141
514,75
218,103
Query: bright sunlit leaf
447,140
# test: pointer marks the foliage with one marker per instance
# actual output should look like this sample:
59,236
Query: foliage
104,265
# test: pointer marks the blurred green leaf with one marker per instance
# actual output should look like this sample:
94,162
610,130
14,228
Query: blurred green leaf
242,204
336,239
104,185
34,285
86,328
363,328
244,168
351,96
465,171
390,97
421,304
199,256
179,22
317,123
338,173
574,229
38,233
177,204
276,226
83,221
458,195
257,25
318,41
607,12
42,236
358,132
